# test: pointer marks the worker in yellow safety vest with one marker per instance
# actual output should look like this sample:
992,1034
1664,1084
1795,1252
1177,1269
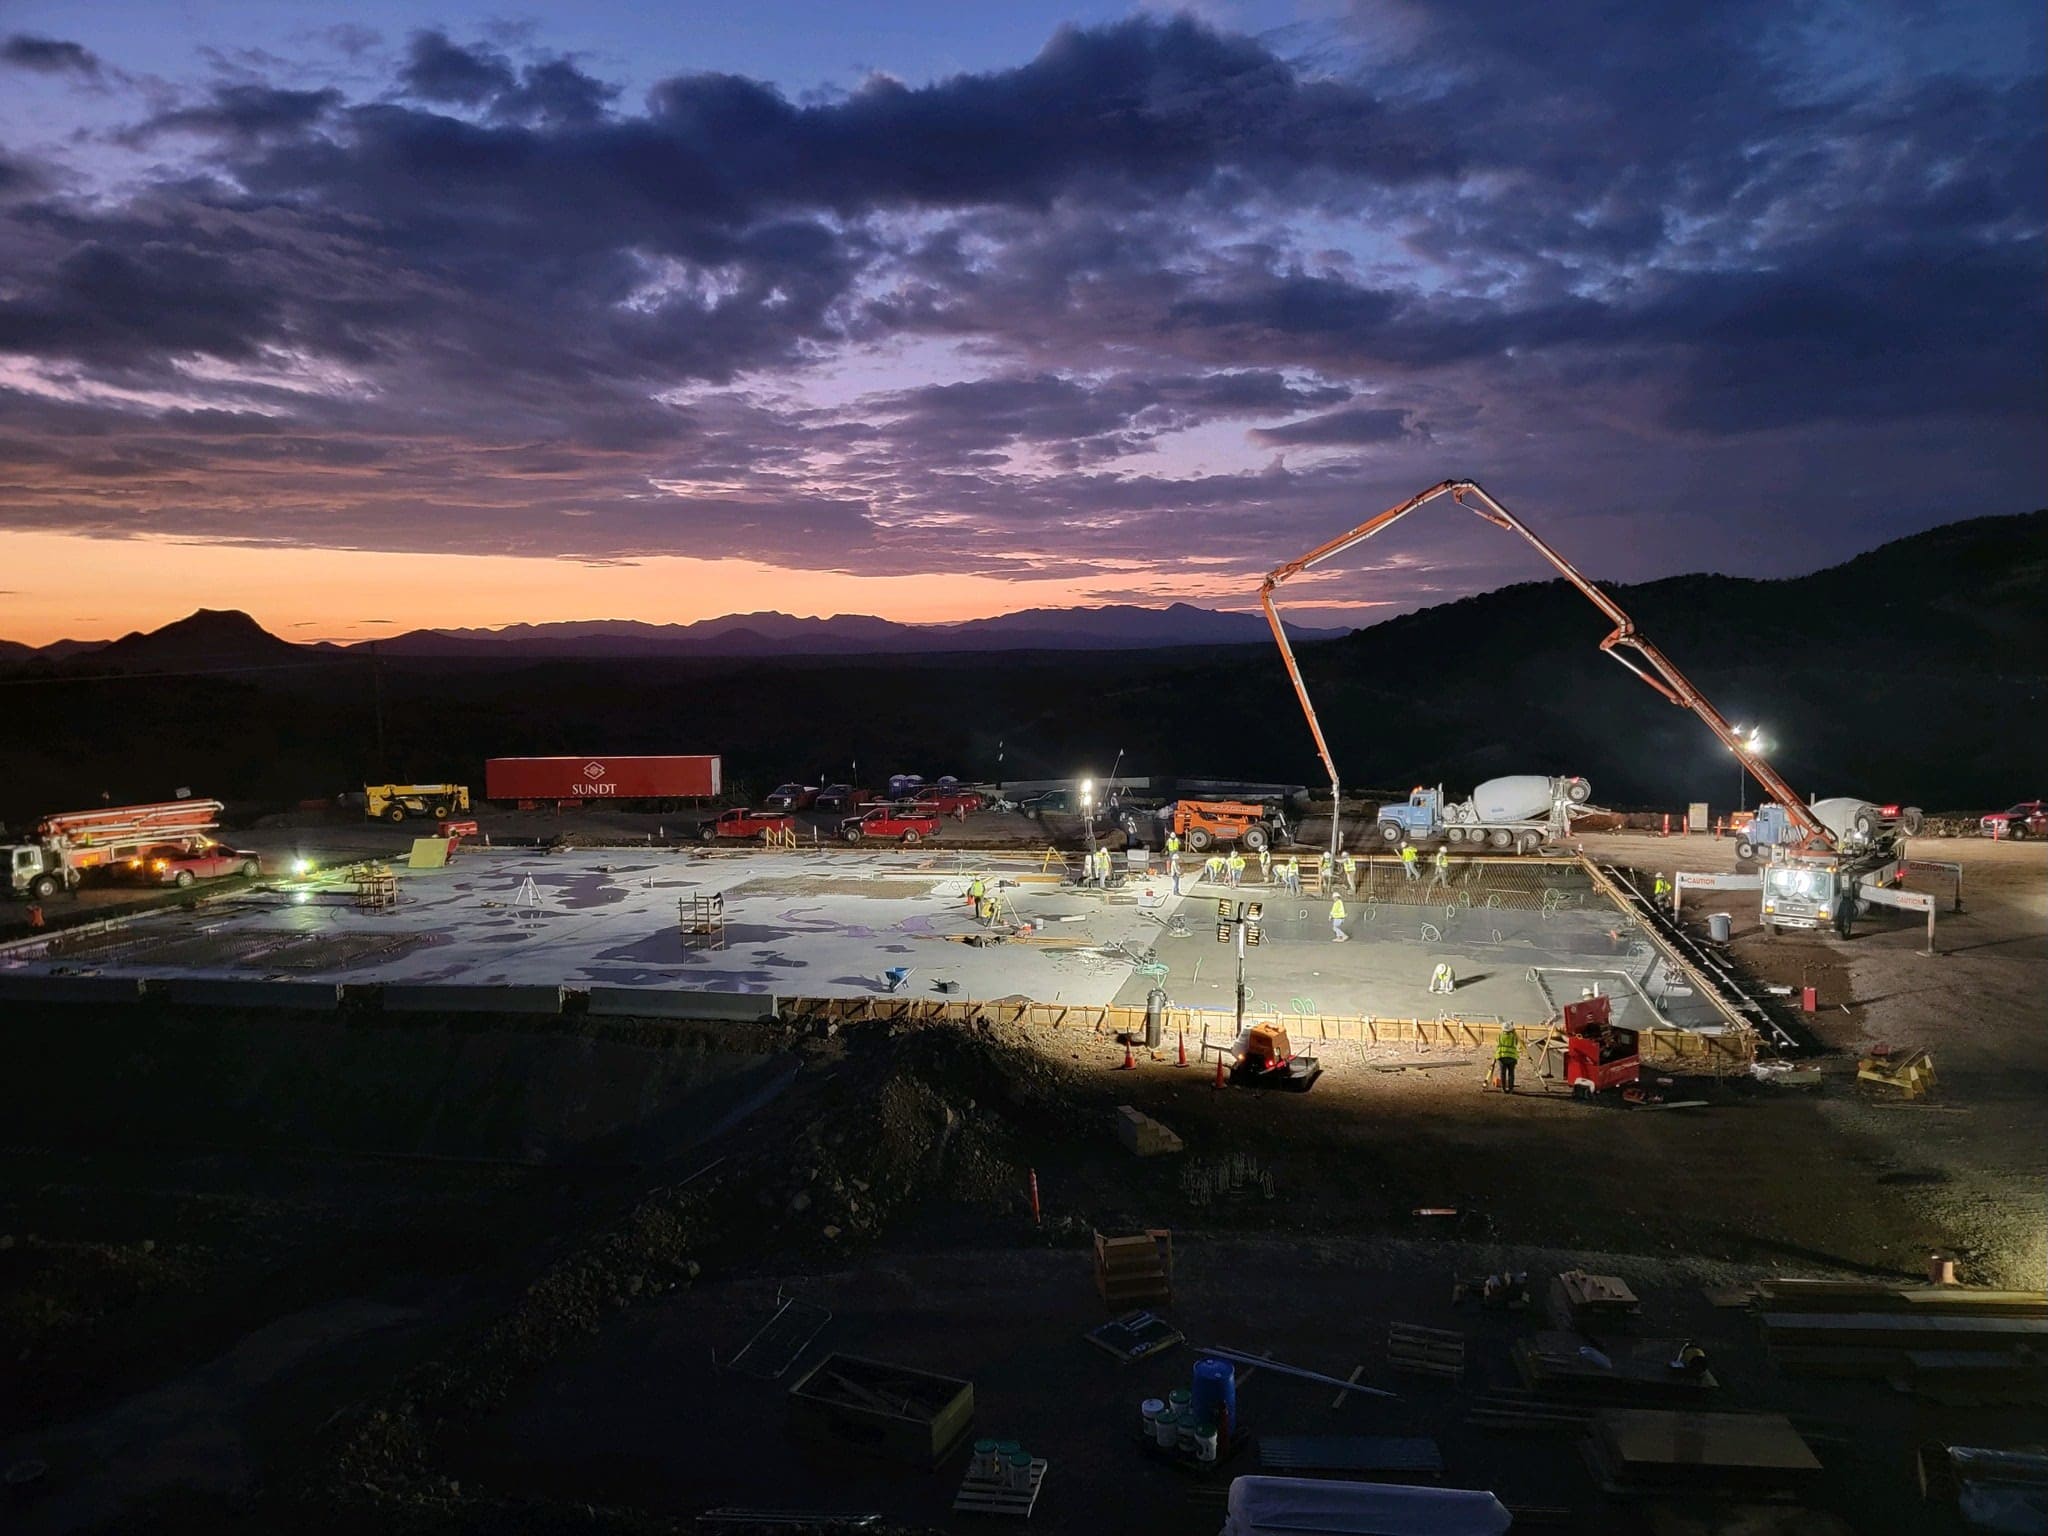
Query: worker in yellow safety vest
976,889
1265,866
1443,863
1337,919
1212,867
1235,864
1443,979
1505,1055
1173,846
1408,862
1661,891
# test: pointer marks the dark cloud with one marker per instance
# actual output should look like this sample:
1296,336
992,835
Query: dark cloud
438,70
243,112
49,55
487,303
1357,427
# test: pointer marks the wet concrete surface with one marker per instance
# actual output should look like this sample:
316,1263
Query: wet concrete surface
811,923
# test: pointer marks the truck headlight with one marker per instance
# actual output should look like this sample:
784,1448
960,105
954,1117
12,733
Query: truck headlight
302,866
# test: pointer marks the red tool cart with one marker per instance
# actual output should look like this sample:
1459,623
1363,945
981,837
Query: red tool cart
1599,1054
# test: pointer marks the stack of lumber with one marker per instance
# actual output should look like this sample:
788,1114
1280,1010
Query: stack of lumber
1950,1342
1737,1455
1420,1351
1580,1300
1135,1271
1912,1074
1617,1370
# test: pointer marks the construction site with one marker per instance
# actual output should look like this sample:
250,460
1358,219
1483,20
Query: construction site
1086,1156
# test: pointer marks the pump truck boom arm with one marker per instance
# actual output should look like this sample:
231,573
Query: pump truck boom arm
1650,664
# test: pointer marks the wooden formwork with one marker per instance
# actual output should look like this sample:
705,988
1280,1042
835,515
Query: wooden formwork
1670,1049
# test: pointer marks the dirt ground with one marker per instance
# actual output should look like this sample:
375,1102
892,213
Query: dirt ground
523,1348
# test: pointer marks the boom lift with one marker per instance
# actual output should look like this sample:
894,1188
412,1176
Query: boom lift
1655,667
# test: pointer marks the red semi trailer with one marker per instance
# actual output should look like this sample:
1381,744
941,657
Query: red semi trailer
601,778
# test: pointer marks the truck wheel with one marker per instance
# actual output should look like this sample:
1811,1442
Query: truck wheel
1255,838
440,813
182,879
1502,838
395,814
251,869
1745,849
910,839
1199,840
44,887
1455,835
1390,832
1579,792
1528,843
2017,831
851,834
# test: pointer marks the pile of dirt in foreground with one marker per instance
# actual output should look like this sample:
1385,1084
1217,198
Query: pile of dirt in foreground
881,1119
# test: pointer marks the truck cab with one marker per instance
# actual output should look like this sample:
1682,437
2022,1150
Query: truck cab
35,871
742,823
1421,817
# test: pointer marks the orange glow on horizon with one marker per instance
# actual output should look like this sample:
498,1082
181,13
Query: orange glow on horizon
68,586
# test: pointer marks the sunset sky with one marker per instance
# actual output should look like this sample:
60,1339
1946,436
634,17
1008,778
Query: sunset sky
369,316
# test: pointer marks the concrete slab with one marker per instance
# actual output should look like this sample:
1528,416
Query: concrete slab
1550,934
814,923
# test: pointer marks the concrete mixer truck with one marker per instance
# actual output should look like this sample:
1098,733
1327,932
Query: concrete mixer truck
1517,814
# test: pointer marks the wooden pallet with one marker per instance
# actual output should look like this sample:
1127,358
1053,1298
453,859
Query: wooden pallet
1135,1271
1420,1351
993,1496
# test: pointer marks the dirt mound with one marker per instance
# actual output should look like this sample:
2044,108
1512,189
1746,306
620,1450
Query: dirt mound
884,1119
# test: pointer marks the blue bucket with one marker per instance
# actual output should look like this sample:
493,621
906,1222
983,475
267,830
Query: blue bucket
1215,1393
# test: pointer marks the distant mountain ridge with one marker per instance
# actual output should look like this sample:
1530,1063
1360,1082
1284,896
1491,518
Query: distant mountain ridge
229,638
848,634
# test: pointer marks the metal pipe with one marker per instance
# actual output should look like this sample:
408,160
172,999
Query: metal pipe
1239,1357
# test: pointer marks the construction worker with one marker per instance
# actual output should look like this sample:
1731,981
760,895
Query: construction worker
1294,874
1505,1055
35,917
1408,863
1442,979
1235,865
1660,891
1442,861
1173,845
1265,866
1337,920
1326,866
1349,864
1212,868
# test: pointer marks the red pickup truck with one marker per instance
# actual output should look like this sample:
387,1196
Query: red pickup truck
741,823
946,802
183,866
886,822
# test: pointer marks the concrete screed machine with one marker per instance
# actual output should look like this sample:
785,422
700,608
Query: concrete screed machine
1814,871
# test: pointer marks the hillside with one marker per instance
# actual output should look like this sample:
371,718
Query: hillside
781,634
1916,671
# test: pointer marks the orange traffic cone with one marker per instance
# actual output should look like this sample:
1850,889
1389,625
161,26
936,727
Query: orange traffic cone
1130,1061
1219,1073
1183,1048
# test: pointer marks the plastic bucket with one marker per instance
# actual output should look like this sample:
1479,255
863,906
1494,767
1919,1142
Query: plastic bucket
1020,1470
1214,1400
1205,1441
1719,926
1166,1429
1150,1409
985,1459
